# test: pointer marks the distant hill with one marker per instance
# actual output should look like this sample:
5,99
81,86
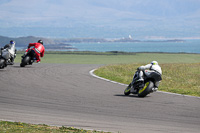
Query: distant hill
48,42
24,41
51,43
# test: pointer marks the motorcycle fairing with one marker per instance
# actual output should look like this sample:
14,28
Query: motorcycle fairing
152,75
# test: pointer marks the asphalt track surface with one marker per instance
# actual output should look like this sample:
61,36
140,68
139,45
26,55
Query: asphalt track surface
67,95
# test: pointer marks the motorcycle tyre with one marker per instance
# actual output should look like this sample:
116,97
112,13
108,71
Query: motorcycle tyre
25,61
2,63
127,91
146,90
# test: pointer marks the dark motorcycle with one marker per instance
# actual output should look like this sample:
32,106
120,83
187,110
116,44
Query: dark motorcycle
143,88
28,58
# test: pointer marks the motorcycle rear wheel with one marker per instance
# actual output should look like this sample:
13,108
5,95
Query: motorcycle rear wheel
146,89
25,61
2,63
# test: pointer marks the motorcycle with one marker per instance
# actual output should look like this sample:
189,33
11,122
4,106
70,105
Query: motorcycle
7,56
143,88
28,58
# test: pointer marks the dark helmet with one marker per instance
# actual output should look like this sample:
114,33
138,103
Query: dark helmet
40,41
12,42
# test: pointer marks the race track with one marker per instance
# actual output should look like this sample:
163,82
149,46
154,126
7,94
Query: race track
67,95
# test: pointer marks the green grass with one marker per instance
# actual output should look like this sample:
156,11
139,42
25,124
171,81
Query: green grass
18,127
182,78
114,58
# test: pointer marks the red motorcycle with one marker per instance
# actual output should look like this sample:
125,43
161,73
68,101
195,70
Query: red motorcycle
28,58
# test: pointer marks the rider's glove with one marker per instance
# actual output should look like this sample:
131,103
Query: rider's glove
139,68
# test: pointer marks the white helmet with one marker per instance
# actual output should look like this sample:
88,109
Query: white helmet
154,63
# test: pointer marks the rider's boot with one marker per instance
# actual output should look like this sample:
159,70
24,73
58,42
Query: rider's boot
156,86
140,79
154,89
12,61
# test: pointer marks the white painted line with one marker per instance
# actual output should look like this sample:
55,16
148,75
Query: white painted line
92,74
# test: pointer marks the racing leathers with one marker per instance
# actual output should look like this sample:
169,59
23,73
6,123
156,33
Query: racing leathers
153,67
39,50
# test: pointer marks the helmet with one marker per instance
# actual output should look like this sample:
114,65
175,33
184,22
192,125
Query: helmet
12,42
40,41
154,63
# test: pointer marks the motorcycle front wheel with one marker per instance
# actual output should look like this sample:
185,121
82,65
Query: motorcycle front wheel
127,91
146,89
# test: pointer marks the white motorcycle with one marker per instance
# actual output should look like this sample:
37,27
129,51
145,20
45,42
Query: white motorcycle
7,56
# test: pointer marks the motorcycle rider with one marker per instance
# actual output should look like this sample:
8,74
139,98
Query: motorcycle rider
9,46
153,67
38,48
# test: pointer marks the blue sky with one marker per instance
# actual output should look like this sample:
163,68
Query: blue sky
161,18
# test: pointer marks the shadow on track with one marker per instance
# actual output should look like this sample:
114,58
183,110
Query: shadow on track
121,95
21,67
131,96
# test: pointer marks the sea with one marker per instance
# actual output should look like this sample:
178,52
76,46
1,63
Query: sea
186,46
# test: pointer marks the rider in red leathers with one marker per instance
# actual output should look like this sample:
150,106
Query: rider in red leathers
38,48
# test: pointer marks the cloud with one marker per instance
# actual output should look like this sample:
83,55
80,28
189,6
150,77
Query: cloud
95,9
131,15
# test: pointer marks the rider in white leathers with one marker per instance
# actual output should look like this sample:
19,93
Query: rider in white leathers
11,47
153,67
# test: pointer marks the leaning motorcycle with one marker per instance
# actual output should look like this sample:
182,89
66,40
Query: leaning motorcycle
143,88
28,58
6,57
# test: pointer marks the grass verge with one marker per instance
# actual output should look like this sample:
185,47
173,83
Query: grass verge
18,127
113,57
182,78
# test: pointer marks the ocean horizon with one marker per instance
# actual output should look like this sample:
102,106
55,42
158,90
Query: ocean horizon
187,46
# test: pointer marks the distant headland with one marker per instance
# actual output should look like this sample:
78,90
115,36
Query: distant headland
65,43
